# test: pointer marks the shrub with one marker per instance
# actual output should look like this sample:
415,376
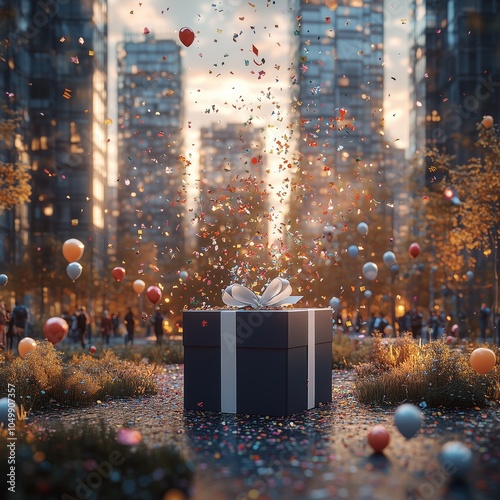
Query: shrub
169,353
347,352
434,374
43,378
89,461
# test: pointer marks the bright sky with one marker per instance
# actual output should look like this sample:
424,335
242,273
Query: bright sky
222,71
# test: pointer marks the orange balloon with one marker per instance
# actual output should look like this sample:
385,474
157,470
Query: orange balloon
483,360
138,286
72,250
55,329
25,346
487,121
378,438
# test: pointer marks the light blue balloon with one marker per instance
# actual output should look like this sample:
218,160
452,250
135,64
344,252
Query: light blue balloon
370,270
363,228
353,250
408,419
389,258
74,270
335,303
456,458
3,279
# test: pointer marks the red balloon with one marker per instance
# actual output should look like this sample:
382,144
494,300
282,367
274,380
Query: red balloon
55,329
186,36
92,349
153,293
118,273
414,250
378,438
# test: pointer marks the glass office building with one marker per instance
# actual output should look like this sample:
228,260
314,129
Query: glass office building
151,166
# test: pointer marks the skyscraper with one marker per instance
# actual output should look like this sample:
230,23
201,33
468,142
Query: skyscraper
339,101
230,155
57,57
455,61
151,165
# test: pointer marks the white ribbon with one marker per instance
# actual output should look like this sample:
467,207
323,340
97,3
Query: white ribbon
276,294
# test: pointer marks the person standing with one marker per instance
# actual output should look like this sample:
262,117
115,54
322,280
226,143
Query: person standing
10,330
157,321
129,325
416,323
3,325
20,317
484,317
105,327
115,324
82,326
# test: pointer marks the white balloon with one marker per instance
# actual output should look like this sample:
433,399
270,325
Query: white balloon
74,270
353,250
389,258
335,303
408,419
363,228
456,458
368,293
370,270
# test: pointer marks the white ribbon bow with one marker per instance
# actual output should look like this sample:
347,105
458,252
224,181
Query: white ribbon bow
276,294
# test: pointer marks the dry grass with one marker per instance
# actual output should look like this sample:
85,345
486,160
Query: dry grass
43,378
167,354
348,352
57,462
433,373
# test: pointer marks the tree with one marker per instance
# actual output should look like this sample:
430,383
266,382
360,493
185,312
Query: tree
15,178
477,219
469,195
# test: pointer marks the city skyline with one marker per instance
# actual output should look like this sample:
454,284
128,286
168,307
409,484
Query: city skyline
239,65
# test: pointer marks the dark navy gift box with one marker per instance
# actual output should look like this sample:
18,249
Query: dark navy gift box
274,362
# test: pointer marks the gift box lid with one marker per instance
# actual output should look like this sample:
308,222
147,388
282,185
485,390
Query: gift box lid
256,328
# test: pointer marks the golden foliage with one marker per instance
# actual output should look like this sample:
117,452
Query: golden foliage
14,185
15,178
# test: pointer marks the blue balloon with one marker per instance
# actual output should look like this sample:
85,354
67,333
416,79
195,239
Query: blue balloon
353,250
335,304
3,279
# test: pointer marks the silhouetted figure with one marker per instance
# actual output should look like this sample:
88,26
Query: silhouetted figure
157,321
484,317
129,325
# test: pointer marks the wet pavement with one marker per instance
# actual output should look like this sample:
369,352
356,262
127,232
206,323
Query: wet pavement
318,454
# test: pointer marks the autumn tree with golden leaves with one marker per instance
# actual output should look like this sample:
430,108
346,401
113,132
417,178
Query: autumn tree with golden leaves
463,217
15,177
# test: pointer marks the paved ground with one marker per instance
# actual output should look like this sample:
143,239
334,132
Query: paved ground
319,454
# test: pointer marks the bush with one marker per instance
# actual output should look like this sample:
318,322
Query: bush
166,354
90,461
347,352
434,373
42,378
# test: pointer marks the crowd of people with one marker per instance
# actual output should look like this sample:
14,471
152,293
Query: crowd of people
80,326
432,326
